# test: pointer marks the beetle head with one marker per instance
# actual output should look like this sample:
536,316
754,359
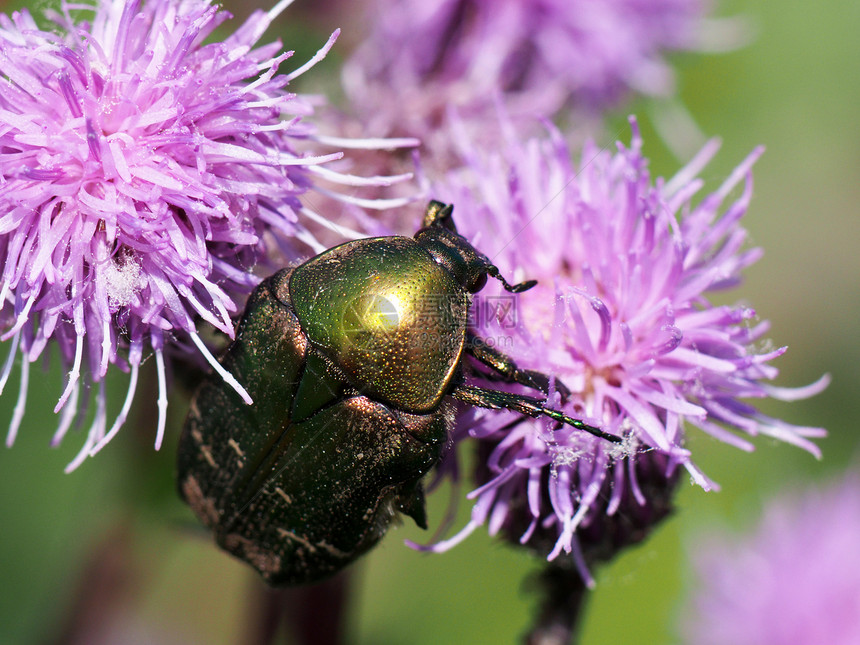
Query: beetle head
469,266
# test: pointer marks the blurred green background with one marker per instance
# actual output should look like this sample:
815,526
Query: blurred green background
793,88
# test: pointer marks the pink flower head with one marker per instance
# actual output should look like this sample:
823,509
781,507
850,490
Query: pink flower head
622,316
794,581
145,171
423,56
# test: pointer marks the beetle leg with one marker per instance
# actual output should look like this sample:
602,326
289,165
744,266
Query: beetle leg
495,400
506,367
410,501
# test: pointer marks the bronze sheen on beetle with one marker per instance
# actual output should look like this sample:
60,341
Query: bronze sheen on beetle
352,360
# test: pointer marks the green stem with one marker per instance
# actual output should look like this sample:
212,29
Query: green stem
564,594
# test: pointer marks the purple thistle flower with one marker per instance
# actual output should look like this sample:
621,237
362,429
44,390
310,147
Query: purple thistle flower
145,172
426,55
794,581
622,316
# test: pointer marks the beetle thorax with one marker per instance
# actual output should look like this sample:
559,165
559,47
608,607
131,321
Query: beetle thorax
387,315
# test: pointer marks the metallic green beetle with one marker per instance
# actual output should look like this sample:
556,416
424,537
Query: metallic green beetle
352,360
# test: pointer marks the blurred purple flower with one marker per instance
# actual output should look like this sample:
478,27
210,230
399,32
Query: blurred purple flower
145,171
795,581
423,56
622,316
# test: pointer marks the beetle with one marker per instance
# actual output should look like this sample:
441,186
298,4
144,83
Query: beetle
353,360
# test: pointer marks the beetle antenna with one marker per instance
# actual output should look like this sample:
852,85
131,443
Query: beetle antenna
511,288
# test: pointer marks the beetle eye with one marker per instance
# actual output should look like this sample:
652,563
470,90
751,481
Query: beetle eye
478,283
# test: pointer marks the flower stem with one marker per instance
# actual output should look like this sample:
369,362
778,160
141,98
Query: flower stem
312,614
564,593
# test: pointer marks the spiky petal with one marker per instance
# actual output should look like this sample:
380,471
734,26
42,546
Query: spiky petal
622,316
773,586
145,171
423,56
